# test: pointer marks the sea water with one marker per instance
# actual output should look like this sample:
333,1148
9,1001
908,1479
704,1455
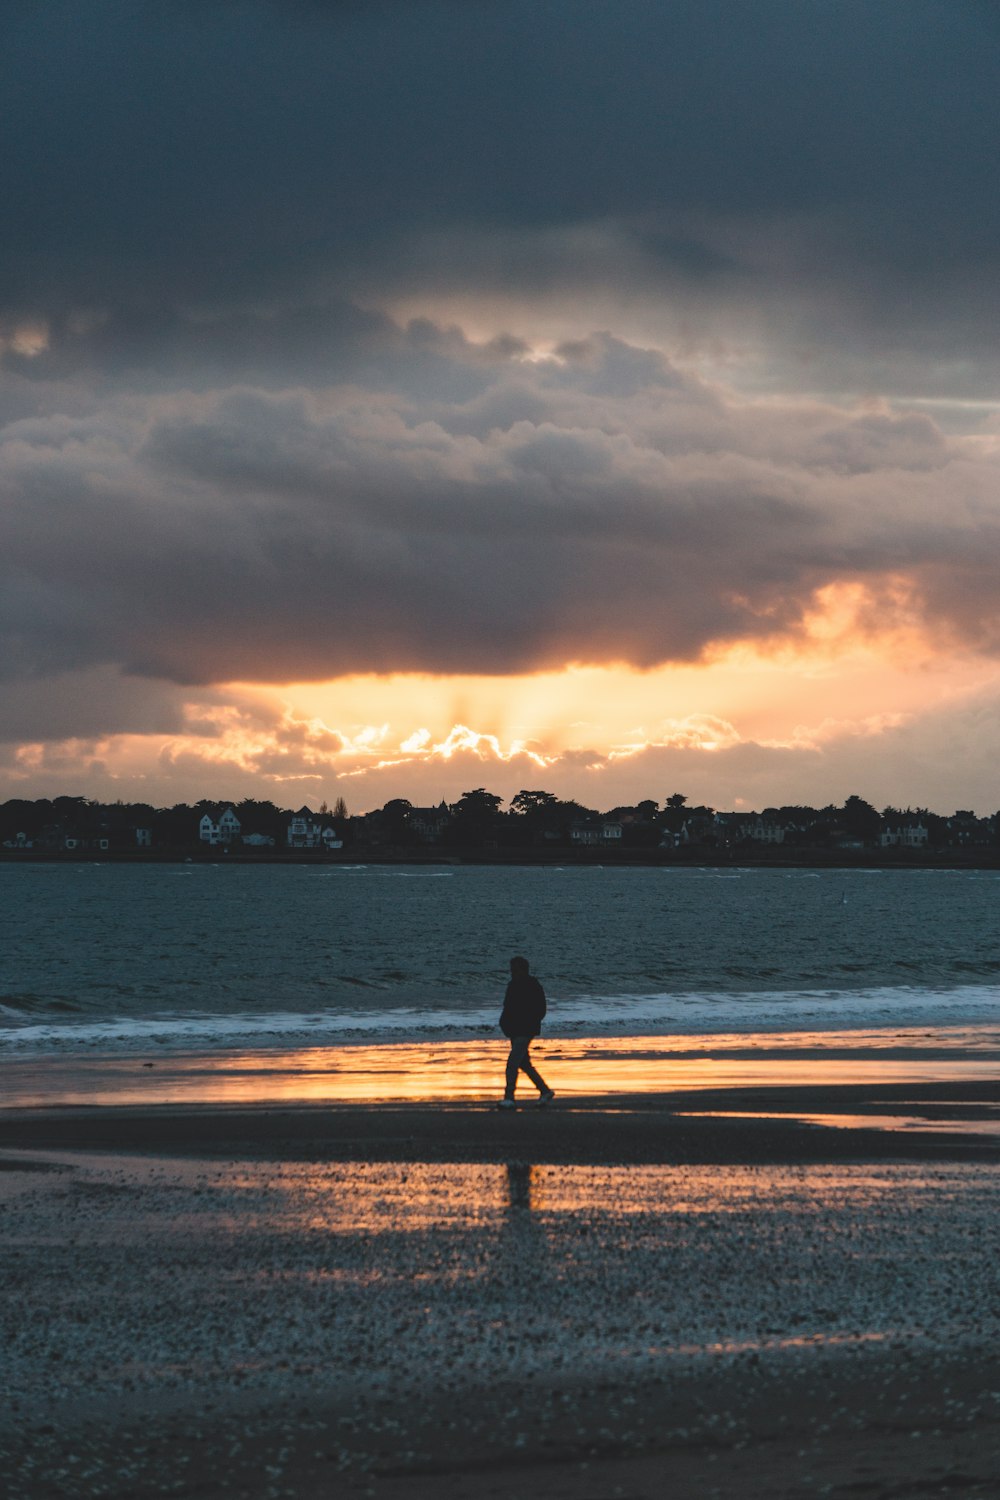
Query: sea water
202,956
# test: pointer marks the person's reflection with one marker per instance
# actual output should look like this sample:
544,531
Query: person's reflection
519,1185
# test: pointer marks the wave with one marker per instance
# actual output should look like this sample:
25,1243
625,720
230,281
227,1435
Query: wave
33,1027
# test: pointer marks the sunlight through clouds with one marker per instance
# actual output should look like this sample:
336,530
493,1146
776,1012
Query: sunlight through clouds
648,442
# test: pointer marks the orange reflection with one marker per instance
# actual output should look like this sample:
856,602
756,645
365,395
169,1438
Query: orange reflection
976,1125
472,1071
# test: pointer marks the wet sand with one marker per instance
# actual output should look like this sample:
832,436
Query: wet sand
470,1071
609,1297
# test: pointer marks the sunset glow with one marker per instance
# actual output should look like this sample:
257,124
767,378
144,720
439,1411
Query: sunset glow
461,1071
665,484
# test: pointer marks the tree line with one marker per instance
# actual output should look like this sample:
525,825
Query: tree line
479,819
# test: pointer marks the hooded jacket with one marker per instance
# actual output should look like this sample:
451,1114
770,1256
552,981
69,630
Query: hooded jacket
523,1007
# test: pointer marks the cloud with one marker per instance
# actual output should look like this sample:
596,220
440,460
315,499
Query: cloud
600,506
298,375
815,181
237,741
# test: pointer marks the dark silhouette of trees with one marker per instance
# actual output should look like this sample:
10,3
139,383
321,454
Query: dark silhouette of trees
536,819
860,818
475,818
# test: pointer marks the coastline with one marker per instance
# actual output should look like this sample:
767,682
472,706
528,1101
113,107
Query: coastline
768,857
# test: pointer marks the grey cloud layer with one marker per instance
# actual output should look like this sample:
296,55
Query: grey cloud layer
820,173
605,508
220,456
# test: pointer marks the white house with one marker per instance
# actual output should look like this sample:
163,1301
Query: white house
596,831
222,832
765,831
305,831
904,836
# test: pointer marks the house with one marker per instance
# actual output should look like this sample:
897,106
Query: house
601,831
305,831
764,830
729,827
965,828
222,831
428,823
843,839
904,835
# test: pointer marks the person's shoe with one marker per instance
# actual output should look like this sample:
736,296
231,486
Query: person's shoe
546,1097
506,1104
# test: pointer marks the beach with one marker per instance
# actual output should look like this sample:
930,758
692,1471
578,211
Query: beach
264,1234
753,1291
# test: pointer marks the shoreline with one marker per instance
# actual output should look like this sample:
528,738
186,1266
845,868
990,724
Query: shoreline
602,1071
696,857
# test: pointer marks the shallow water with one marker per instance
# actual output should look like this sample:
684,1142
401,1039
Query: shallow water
451,1072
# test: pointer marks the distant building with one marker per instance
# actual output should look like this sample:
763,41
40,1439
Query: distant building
223,830
764,830
727,827
596,831
428,824
965,828
904,836
306,831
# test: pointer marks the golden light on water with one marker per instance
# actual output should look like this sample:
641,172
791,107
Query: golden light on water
473,1071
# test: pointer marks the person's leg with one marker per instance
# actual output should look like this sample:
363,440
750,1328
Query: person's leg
518,1052
532,1072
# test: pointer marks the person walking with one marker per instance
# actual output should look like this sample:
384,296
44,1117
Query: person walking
521,1021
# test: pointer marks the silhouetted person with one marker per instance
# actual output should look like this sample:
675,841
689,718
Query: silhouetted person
521,1021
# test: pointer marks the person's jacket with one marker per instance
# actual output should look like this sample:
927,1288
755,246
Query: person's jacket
523,1007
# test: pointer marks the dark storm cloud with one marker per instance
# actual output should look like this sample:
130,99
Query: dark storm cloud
828,164
220,456
90,705
267,535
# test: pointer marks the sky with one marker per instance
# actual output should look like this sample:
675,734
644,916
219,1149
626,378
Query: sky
597,396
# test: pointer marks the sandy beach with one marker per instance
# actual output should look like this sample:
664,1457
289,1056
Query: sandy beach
751,1292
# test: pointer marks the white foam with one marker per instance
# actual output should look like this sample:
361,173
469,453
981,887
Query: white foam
689,1014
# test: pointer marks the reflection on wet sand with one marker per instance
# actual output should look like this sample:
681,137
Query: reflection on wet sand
519,1185
972,1122
374,1311
473,1070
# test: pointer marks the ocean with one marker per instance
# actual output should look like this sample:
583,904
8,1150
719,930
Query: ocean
116,957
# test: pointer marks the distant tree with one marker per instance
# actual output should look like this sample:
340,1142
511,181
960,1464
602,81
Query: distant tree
340,809
533,804
675,813
393,820
860,818
475,817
